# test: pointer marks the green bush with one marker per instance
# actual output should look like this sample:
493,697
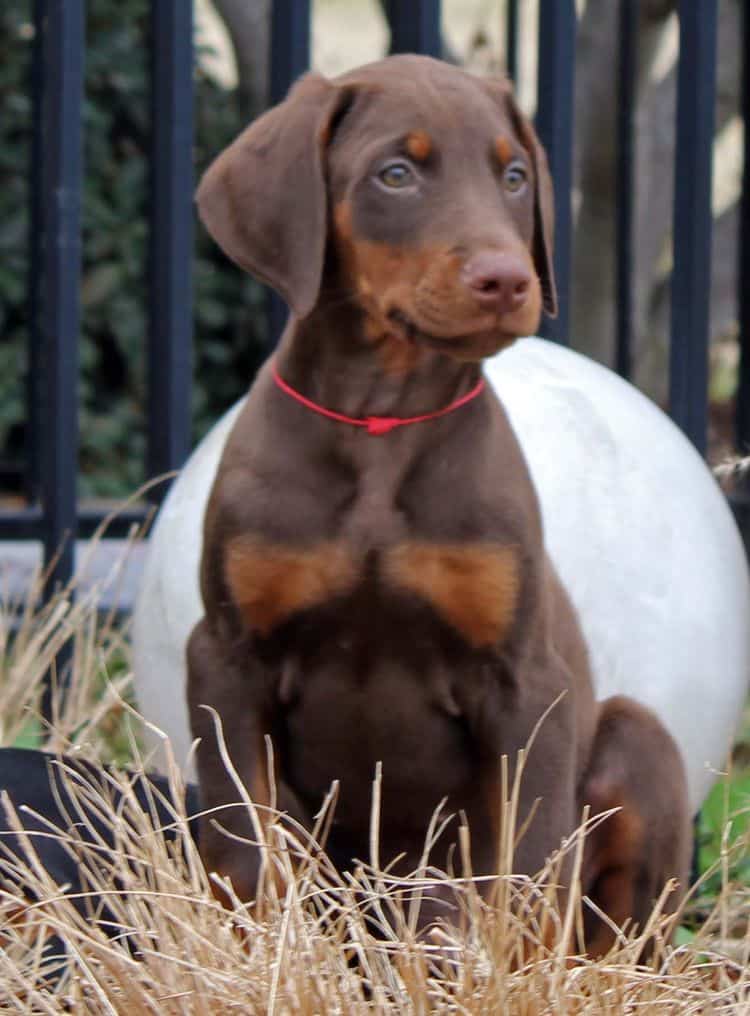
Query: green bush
229,323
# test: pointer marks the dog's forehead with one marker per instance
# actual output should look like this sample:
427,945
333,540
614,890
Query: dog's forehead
417,93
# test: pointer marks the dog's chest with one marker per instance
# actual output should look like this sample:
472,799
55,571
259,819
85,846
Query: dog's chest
391,538
473,587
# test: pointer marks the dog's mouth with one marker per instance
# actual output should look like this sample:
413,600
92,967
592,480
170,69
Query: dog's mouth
403,327
470,344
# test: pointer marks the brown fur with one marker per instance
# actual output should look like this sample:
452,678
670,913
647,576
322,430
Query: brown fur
635,768
503,150
424,283
388,599
473,587
270,583
419,145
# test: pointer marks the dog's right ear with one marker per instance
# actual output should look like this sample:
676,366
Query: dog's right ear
264,198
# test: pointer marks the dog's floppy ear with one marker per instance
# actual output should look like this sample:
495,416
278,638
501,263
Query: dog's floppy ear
544,208
544,218
264,198
544,197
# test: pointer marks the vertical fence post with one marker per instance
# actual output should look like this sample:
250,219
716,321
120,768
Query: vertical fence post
739,498
626,99
171,241
554,122
290,44
63,28
415,26
743,392
34,395
290,57
511,40
691,275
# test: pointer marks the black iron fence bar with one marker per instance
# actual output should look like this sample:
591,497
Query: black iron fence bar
34,401
740,499
28,524
63,27
511,40
121,525
290,57
290,44
691,273
415,26
31,523
554,122
625,184
171,246
743,392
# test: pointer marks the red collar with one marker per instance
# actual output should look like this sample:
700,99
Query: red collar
375,425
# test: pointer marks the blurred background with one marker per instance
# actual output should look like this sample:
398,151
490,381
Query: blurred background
232,85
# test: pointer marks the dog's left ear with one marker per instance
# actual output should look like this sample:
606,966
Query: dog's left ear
264,198
544,218
544,195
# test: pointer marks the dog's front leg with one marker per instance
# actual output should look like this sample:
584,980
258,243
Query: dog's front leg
535,722
240,690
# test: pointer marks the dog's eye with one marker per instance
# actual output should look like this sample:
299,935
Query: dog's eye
395,175
514,178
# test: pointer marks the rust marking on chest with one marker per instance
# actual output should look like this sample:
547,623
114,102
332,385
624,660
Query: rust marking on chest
270,582
474,587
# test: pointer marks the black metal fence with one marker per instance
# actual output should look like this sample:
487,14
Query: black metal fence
415,26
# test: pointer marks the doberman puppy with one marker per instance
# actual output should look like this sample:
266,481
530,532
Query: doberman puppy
374,576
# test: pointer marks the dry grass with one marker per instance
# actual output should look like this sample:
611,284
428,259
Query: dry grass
316,941
35,635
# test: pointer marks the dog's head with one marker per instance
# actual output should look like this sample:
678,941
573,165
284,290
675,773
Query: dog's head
422,192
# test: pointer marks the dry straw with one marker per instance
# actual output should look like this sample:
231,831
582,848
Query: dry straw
149,937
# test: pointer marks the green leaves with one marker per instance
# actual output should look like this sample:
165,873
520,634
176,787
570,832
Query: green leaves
229,320
724,822
728,805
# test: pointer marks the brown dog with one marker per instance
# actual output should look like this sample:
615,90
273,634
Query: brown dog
374,575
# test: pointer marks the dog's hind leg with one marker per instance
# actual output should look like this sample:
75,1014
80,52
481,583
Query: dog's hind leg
634,767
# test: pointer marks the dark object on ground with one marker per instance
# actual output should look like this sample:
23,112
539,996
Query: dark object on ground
40,792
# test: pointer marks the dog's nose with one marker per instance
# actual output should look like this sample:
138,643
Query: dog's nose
498,281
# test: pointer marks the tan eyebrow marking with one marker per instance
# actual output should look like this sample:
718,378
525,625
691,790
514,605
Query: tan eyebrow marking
419,145
503,150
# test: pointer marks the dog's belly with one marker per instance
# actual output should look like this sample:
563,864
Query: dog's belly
345,719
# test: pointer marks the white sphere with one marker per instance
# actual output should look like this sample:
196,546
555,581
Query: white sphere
634,521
